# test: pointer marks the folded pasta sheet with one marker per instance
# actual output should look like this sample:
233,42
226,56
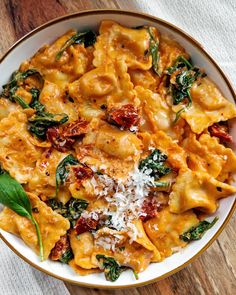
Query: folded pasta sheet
197,190
121,144
18,150
52,225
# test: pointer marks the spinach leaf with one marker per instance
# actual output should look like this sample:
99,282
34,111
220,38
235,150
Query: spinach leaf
154,51
21,101
35,103
196,232
184,77
154,164
180,62
87,38
67,256
71,210
41,121
13,196
9,89
63,170
163,185
112,269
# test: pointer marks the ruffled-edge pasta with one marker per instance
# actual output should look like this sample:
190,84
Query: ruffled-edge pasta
120,143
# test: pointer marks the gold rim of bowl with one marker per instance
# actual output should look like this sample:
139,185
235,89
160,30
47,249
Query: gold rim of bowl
174,28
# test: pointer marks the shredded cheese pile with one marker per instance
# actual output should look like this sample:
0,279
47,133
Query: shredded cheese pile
125,198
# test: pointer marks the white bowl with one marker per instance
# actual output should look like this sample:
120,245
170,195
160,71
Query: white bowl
25,48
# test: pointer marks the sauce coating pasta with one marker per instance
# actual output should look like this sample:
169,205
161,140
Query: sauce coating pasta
120,142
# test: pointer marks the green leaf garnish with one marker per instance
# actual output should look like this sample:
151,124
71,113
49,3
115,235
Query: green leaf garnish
71,210
196,232
13,196
63,170
184,79
135,274
9,89
111,268
87,38
41,121
67,256
154,164
154,51
35,103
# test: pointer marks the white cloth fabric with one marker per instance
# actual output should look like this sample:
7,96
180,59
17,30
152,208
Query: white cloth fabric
19,278
213,23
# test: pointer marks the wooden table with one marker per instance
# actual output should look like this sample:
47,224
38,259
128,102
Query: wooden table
215,271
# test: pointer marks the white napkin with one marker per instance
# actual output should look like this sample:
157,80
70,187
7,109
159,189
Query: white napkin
19,278
213,23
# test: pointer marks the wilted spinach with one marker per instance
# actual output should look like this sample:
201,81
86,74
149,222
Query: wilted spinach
41,121
155,165
112,269
71,210
9,90
154,51
185,77
63,170
35,103
87,38
67,256
196,232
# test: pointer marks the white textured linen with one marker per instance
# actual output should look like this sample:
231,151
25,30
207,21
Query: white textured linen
19,278
213,24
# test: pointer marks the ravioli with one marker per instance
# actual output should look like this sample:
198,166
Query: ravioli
52,225
18,152
209,106
131,45
197,190
43,178
164,230
134,174
208,155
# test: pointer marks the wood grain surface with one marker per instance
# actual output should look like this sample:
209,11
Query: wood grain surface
215,271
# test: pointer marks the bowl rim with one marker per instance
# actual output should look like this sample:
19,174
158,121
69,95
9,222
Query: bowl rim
172,27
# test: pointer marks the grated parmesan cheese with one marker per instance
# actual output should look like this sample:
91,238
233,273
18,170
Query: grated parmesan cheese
125,198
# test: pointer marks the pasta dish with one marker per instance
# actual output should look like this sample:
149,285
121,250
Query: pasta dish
114,149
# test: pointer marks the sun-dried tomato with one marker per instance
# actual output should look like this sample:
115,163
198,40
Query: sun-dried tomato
62,138
221,131
75,128
149,209
82,173
85,224
125,117
60,248
58,141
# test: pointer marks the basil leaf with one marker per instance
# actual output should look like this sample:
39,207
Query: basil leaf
112,269
63,170
154,164
196,232
154,51
13,196
87,38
